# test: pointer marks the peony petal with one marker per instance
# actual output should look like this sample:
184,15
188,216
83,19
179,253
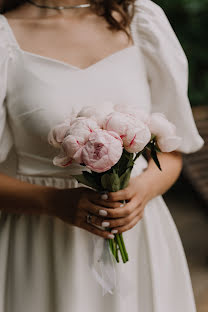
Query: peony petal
160,126
137,138
62,160
169,144
82,127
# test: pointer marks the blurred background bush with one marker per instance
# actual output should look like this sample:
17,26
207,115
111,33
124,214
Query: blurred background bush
189,19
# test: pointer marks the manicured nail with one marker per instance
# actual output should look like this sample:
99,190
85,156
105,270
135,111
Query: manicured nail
122,205
104,196
105,224
103,213
111,236
114,231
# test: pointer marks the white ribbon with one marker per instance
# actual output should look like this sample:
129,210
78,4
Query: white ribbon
103,267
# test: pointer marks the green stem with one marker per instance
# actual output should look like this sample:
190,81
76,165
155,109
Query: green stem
117,248
121,248
114,248
110,245
124,247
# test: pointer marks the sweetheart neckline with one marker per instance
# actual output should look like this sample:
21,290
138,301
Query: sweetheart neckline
54,60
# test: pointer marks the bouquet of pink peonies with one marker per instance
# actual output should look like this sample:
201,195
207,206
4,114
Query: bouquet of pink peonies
108,144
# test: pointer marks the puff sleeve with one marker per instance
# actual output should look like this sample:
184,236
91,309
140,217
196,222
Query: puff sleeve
167,71
6,139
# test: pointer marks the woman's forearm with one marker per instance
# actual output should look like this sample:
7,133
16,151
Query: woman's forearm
159,182
21,197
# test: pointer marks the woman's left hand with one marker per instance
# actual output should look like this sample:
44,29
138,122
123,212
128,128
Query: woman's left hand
123,218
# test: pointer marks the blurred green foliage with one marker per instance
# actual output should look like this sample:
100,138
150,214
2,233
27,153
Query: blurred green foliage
189,19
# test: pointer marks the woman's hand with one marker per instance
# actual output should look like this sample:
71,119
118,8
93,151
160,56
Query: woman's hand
121,219
108,216
73,205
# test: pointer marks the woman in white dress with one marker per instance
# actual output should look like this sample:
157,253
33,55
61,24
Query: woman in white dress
52,63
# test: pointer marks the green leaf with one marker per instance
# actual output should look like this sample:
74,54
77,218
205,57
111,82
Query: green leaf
105,181
115,181
124,179
91,179
154,156
137,155
111,181
125,161
96,176
86,179
131,161
157,149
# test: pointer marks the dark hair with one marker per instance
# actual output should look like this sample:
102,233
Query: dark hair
100,7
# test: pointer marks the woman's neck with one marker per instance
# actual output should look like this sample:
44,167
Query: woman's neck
45,12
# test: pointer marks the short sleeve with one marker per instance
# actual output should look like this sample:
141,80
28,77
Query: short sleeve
6,138
167,71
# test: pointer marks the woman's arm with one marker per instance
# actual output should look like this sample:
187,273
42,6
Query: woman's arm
21,197
70,205
158,181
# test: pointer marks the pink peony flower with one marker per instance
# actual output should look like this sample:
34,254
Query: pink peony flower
164,131
134,132
82,127
62,160
97,113
102,151
168,143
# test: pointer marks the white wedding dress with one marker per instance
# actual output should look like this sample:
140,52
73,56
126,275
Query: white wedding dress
46,264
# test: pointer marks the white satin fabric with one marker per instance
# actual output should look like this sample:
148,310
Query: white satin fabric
47,265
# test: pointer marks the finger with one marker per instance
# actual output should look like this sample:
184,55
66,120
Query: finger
92,229
107,204
128,226
113,223
95,220
109,212
125,194
93,195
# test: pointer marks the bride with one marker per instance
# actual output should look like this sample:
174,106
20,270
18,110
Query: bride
55,57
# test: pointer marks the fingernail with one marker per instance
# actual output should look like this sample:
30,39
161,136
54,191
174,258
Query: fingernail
111,236
114,231
104,196
105,224
103,213
122,205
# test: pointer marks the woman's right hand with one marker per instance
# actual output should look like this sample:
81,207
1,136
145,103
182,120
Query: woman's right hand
73,205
